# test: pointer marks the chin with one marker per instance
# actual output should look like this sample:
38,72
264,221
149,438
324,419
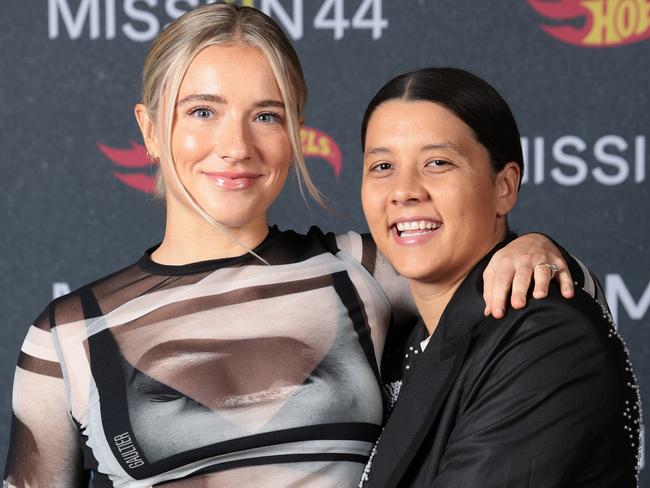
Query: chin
414,270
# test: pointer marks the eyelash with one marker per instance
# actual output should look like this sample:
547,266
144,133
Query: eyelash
444,163
384,166
195,110
276,116
165,397
378,167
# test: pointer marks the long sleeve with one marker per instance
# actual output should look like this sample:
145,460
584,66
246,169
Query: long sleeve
539,406
43,450
363,249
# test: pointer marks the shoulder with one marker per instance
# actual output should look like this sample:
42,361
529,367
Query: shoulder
360,247
578,318
554,339
69,308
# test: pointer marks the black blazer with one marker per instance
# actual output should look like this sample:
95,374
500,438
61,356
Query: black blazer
544,397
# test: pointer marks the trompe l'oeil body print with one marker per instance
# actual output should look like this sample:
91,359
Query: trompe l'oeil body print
220,373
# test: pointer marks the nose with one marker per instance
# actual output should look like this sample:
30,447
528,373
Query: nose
408,189
234,142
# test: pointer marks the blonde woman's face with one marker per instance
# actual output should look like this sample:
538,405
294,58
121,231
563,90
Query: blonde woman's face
229,139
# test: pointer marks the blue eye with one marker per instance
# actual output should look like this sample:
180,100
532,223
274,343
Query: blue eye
268,117
201,113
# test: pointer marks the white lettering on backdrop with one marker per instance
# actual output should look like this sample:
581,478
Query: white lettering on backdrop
145,18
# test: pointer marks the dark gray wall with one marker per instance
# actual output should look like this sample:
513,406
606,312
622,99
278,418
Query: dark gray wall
70,77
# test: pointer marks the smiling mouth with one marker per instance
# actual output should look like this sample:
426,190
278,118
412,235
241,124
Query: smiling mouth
233,180
416,228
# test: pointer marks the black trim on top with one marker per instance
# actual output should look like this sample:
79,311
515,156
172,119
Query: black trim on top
348,295
368,253
329,240
111,388
279,459
358,431
147,264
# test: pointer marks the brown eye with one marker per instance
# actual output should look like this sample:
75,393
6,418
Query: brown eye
381,167
438,163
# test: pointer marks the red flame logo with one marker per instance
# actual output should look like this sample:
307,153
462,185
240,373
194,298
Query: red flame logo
133,158
315,143
606,23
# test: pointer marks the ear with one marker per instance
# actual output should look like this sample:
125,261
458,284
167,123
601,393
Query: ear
507,188
147,129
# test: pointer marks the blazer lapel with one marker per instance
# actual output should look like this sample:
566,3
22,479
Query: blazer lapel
414,414
424,394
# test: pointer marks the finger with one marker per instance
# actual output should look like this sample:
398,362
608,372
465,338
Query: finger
543,275
501,285
563,277
566,282
488,278
520,285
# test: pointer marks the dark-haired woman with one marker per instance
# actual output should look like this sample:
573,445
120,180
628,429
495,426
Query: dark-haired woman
545,399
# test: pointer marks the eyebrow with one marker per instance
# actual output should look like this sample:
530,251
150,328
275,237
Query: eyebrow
201,97
270,103
379,150
205,97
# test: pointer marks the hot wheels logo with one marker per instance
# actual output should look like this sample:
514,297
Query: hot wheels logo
133,158
606,23
315,143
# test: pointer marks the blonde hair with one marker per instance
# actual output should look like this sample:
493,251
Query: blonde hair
221,24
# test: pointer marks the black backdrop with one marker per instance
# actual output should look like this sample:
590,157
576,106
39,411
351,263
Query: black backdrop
575,72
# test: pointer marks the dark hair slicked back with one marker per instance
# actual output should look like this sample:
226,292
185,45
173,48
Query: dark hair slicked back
469,97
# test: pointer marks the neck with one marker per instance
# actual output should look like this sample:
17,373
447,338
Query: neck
190,238
431,299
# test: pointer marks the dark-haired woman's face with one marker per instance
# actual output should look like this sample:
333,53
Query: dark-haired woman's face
433,203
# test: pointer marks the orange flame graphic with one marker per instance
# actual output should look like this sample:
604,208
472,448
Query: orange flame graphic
606,23
315,143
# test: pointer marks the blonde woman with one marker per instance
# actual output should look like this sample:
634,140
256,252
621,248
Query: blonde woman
231,354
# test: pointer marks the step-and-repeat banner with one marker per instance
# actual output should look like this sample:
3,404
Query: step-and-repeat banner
76,183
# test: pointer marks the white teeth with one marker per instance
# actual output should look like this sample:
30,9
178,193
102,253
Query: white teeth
417,225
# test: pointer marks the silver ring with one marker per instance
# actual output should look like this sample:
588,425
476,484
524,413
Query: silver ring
552,266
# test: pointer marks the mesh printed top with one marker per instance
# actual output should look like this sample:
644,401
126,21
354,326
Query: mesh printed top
223,373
